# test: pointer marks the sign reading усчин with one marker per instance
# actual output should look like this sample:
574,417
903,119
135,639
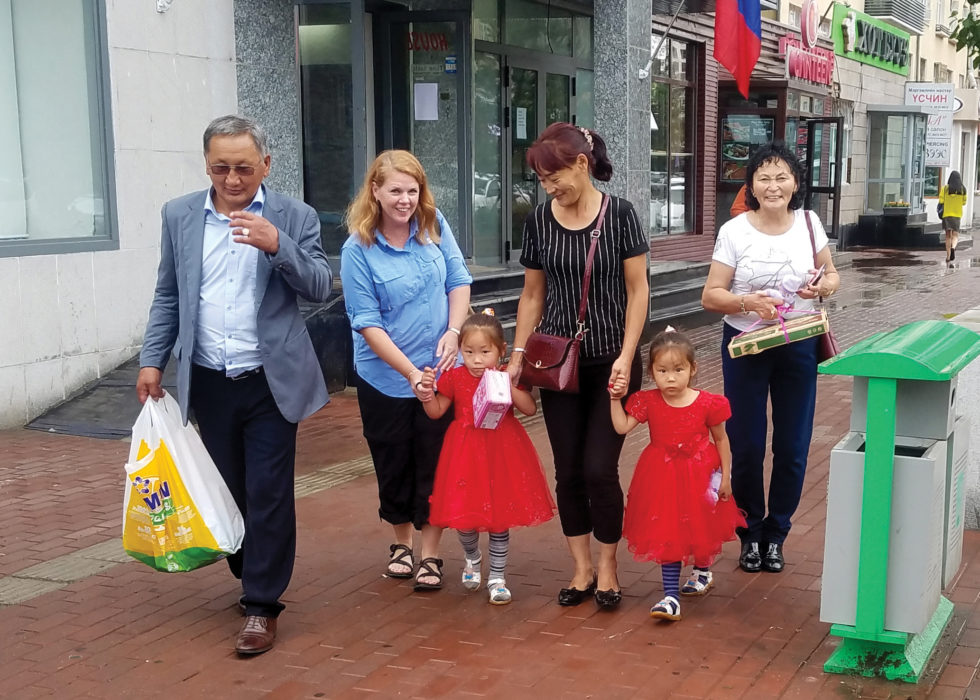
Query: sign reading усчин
863,38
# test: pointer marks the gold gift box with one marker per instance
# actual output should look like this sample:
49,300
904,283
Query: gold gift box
799,328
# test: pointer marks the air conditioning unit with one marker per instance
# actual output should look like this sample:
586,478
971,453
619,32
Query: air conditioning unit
942,30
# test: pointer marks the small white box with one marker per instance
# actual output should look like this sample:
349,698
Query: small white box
491,400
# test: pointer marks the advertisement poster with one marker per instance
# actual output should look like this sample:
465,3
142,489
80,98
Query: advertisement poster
939,98
739,137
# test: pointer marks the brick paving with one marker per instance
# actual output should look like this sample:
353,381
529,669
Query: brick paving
122,629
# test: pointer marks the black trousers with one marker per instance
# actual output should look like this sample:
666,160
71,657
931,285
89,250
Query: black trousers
405,445
254,448
586,448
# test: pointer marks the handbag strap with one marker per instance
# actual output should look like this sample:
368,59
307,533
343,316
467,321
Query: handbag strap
813,241
587,277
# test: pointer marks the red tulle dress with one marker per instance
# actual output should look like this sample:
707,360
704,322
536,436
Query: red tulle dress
487,480
671,511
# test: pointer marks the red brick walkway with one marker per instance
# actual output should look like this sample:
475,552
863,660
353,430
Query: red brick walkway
348,632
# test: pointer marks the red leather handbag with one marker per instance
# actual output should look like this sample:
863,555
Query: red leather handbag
551,361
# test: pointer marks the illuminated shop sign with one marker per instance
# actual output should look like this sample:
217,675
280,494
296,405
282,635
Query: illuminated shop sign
865,39
815,65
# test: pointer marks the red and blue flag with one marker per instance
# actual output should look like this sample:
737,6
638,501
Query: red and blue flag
738,38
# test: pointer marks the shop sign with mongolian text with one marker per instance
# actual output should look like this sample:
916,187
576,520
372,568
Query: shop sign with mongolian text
815,65
866,39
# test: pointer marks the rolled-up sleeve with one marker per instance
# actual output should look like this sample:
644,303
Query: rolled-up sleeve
360,299
456,273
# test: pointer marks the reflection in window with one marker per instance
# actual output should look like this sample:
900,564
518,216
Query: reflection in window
53,179
538,27
486,23
672,171
328,126
487,203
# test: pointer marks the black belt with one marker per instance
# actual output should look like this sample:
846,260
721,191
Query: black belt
247,374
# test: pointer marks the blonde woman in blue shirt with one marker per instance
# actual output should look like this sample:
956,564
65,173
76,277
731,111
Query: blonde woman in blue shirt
952,197
407,292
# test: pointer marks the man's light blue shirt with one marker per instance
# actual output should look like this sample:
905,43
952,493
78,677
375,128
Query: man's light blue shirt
403,291
227,339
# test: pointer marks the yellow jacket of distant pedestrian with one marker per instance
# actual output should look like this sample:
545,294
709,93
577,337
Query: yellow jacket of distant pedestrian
952,203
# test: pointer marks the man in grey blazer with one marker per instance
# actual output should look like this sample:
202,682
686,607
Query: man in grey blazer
233,260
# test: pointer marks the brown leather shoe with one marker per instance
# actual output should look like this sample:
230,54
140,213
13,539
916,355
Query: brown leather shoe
258,635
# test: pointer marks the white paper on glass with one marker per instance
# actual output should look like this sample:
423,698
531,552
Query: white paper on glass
426,102
522,122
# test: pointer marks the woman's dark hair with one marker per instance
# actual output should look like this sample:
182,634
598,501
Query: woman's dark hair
955,183
770,153
488,325
674,341
561,143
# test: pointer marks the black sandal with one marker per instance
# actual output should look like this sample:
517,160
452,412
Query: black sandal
430,566
401,554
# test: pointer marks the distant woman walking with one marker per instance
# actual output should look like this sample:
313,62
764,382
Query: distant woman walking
951,200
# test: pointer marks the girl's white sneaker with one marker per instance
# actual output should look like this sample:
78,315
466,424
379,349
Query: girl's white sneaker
499,593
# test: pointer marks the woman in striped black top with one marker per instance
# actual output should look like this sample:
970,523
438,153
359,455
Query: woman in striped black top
586,447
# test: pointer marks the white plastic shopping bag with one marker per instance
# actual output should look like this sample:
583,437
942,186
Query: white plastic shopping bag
178,514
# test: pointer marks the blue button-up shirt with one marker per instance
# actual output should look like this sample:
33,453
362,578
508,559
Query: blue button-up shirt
403,291
227,308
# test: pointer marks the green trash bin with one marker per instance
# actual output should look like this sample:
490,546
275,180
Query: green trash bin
889,503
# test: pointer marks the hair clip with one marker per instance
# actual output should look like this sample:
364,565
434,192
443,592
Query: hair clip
587,135
488,312
670,329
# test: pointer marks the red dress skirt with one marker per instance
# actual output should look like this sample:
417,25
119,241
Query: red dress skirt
672,513
488,480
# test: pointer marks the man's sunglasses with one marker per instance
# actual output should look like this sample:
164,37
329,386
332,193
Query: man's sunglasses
243,170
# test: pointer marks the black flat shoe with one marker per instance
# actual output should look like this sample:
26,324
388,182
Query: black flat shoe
750,560
608,599
772,560
574,596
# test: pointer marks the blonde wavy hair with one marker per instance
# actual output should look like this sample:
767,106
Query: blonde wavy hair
363,215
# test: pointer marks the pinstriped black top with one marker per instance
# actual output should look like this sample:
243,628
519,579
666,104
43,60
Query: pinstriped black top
561,253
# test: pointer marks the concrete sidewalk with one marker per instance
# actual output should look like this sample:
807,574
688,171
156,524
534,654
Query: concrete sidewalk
80,620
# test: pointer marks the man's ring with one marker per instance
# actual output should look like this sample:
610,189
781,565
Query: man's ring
245,232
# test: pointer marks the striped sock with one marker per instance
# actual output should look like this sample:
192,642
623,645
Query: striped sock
671,575
499,544
470,539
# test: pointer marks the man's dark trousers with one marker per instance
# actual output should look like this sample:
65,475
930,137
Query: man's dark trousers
254,448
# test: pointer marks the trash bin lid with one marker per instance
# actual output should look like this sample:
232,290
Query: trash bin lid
925,350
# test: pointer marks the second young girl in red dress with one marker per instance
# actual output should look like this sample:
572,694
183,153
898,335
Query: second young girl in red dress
680,506
487,480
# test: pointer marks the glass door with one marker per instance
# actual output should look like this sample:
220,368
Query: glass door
536,97
824,146
423,107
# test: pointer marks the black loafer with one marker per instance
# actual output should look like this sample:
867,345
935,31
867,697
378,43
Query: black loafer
608,599
772,560
751,559
574,596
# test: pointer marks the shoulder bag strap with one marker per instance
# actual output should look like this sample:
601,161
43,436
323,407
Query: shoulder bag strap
587,277
813,241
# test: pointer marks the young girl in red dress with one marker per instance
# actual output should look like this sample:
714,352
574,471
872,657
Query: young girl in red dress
487,479
680,506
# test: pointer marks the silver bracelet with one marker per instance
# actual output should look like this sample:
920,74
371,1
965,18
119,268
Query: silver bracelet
517,350
454,330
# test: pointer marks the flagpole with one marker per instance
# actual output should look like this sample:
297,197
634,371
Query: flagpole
645,71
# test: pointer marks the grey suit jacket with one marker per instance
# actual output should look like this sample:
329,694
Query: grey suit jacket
299,268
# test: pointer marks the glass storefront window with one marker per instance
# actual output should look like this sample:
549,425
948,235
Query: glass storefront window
933,181
487,166
672,169
792,101
818,106
327,109
538,27
582,39
51,114
585,98
895,158
486,20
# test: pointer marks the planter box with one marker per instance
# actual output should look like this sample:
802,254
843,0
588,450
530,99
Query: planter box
895,211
